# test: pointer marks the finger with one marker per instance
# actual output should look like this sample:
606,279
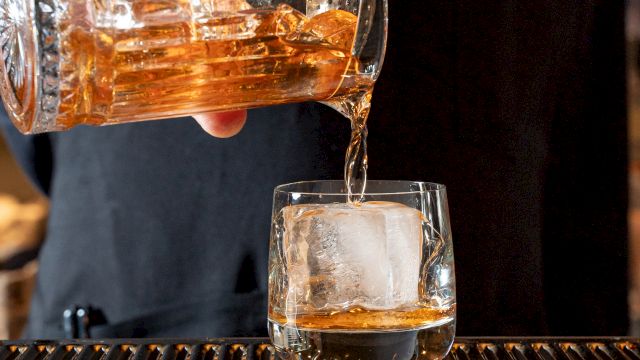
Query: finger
222,124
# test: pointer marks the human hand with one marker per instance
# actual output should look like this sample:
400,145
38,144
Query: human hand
222,124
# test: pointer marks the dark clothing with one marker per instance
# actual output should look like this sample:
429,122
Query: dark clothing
517,106
161,217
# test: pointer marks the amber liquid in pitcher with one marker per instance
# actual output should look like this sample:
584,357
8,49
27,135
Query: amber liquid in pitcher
237,60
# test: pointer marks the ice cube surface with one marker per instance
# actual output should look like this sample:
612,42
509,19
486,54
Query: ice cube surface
226,6
315,7
288,20
337,29
342,255
224,20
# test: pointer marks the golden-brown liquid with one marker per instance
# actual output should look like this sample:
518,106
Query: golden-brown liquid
359,319
133,60
153,68
416,334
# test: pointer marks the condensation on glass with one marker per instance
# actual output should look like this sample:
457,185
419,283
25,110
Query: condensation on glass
71,62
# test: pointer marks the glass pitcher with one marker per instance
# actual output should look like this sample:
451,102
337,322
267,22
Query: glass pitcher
98,62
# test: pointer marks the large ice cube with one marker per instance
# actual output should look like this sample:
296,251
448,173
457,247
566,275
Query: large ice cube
341,255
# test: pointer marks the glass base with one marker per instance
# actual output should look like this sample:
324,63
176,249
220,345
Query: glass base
432,343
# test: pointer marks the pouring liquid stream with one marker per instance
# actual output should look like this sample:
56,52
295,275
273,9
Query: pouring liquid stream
355,107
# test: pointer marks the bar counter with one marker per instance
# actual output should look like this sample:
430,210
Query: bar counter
465,348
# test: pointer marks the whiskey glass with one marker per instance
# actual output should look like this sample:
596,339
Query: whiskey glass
369,280
71,62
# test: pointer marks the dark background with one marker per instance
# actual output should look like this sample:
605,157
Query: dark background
519,108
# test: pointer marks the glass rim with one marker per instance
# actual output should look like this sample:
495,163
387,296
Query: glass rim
403,186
